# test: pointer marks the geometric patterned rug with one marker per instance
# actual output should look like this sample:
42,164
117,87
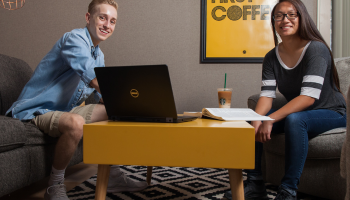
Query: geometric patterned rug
178,183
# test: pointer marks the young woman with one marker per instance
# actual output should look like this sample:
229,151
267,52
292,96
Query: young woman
302,68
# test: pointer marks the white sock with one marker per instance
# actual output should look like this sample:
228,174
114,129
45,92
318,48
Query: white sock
56,176
115,171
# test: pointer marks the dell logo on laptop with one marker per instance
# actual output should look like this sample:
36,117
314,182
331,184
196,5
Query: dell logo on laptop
134,93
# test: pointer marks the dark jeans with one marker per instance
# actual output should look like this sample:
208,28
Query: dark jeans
298,128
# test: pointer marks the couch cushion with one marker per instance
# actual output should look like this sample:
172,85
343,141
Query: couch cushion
90,100
15,73
12,134
325,146
36,137
15,134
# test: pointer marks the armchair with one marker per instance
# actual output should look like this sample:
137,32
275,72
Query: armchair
345,154
321,174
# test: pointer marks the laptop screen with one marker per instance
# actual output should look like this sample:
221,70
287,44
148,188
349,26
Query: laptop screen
136,91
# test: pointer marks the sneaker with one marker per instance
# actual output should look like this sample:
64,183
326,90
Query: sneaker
124,184
285,194
253,189
56,192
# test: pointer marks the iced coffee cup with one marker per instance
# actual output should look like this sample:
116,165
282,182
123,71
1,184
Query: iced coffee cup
224,95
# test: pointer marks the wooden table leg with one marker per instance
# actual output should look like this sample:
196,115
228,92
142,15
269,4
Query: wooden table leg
102,181
149,174
236,182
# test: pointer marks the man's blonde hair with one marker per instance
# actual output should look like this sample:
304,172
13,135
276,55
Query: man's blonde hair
95,3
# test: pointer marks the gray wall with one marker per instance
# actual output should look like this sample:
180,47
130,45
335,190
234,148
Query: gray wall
147,32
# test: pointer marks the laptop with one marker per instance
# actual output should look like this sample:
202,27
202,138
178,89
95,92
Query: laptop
138,93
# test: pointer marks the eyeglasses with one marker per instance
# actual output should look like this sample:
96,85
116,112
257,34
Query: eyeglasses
279,17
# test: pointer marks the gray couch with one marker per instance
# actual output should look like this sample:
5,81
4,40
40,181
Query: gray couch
345,154
26,153
321,174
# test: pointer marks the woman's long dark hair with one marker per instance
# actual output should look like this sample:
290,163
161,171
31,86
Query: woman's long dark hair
307,31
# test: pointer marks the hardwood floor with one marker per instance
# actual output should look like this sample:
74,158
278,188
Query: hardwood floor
74,176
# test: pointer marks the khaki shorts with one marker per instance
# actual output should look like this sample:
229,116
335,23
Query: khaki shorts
48,122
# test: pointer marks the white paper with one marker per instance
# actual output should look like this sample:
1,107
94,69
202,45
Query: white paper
228,114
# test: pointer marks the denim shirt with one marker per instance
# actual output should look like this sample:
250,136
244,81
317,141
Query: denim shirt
61,80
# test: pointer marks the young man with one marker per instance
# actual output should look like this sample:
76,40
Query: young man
61,82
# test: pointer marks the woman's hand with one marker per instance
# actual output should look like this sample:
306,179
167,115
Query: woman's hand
256,125
264,132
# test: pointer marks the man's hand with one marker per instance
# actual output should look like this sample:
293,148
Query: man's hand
94,84
264,132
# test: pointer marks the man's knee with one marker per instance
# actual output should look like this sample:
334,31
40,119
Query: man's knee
72,124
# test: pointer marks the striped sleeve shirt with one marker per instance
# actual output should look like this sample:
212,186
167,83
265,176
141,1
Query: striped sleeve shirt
311,76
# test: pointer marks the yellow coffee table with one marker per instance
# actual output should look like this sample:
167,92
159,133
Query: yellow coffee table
202,143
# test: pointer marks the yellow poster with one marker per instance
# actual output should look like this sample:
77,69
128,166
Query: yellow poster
236,30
